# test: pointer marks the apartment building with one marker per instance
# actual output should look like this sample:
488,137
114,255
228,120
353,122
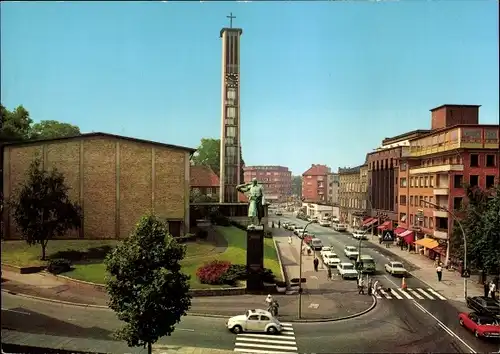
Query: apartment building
315,184
204,182
353,188
433,170
332,189
277,181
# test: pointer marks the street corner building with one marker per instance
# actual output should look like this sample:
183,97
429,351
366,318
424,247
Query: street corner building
115,179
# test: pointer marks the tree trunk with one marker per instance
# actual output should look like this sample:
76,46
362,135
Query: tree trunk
44,248
150,348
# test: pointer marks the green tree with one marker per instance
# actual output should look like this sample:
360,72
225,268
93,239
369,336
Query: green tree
147,289
42,209
16,124
297,185
49,129
491,233
208,154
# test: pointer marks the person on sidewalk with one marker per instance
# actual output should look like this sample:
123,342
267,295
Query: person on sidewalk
269,300
370,286
361,286
439,272
493,288
289,240
486,288
279,224
316,264
375,287
329,273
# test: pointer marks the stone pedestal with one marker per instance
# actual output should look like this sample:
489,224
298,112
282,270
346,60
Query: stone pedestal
255,258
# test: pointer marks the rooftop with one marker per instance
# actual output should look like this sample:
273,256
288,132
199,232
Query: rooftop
317,170
203,176
455,105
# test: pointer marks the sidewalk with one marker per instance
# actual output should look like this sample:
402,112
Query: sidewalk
452,285
94,345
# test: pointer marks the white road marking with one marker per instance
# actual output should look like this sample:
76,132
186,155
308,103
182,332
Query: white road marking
273,336
286,324
436,294
244,350
443,326
417,295
425,294
281,347
408,296
257,340
393,292
385,294
16,311
185,329
377,295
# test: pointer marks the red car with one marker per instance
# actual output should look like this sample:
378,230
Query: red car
481,325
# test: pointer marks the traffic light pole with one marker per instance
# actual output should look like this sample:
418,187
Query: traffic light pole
299,310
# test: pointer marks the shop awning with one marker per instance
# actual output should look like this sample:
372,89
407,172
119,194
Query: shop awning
399,231
367,221
408,236
385,225
427,243
370,223
440,249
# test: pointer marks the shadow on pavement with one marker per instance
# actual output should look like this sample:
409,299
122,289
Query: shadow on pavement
27,321
14,348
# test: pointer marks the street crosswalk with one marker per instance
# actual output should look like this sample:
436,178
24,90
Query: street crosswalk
283,343
410,294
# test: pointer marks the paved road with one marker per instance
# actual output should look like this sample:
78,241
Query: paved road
421,308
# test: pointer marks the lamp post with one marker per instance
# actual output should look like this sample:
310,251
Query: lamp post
299,314
463,235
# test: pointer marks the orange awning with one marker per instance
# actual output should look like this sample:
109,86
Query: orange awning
370,222
399,230
384,226
427,243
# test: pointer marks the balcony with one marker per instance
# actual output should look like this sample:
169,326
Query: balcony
440,191
441,234
439,214
436,169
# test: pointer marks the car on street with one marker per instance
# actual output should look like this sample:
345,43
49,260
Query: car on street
340,227
254,321
279,213
325,249
481,325
347,271
298,230
351,252
367,264
395,268
285,225
291,226
330,259
359,235
325,223
316,244
486,305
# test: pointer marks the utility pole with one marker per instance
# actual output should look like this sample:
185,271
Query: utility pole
299,310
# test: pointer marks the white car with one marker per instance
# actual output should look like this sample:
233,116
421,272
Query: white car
359,235
347,271
351,252
395,268
330,259
254,321
298,230
340,227
325,223
325,249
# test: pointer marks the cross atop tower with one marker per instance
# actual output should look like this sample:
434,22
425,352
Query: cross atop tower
230,17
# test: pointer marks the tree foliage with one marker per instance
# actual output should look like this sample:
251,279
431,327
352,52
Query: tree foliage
147,289
18,125
480,219
297,185
42,208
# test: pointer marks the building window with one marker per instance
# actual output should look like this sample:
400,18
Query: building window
411,181
426,181
402,199
431,181
402,217
426,221
411,219
458,181
402,167
231,93
457,203
425,204
403,182
174,228
490,160
420,200
474,180
430,199
431,223
490,181
474,160
420,182
411,200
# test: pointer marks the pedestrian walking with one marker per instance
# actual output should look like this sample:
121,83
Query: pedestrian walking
329,273
289,240
375,287
486,288
370,286
361,286
316,264
439,272
492,289
279,224
269,300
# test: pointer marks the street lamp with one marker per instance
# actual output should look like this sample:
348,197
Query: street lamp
463,235
300,269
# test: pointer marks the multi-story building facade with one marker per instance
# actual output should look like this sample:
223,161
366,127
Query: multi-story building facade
434,169
353,187
277,180
315,184
333,189
383,178
205,183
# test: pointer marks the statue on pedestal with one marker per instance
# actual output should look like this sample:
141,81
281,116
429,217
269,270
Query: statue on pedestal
255,193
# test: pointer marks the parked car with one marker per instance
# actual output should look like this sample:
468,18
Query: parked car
330,259
316,244
359,235
340,227
481,325
395,268
485,305
351,252
325,223
279,213
254,321
298,230
292,226
347,271
325,249
285,225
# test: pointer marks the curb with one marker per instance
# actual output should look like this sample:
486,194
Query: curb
194,314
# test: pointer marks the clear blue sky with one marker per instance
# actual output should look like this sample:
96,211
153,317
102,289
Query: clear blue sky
322,82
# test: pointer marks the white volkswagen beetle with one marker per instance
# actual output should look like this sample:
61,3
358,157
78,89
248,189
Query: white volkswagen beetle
254,321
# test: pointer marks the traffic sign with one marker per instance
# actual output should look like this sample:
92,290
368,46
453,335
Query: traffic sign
388,236
465,273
